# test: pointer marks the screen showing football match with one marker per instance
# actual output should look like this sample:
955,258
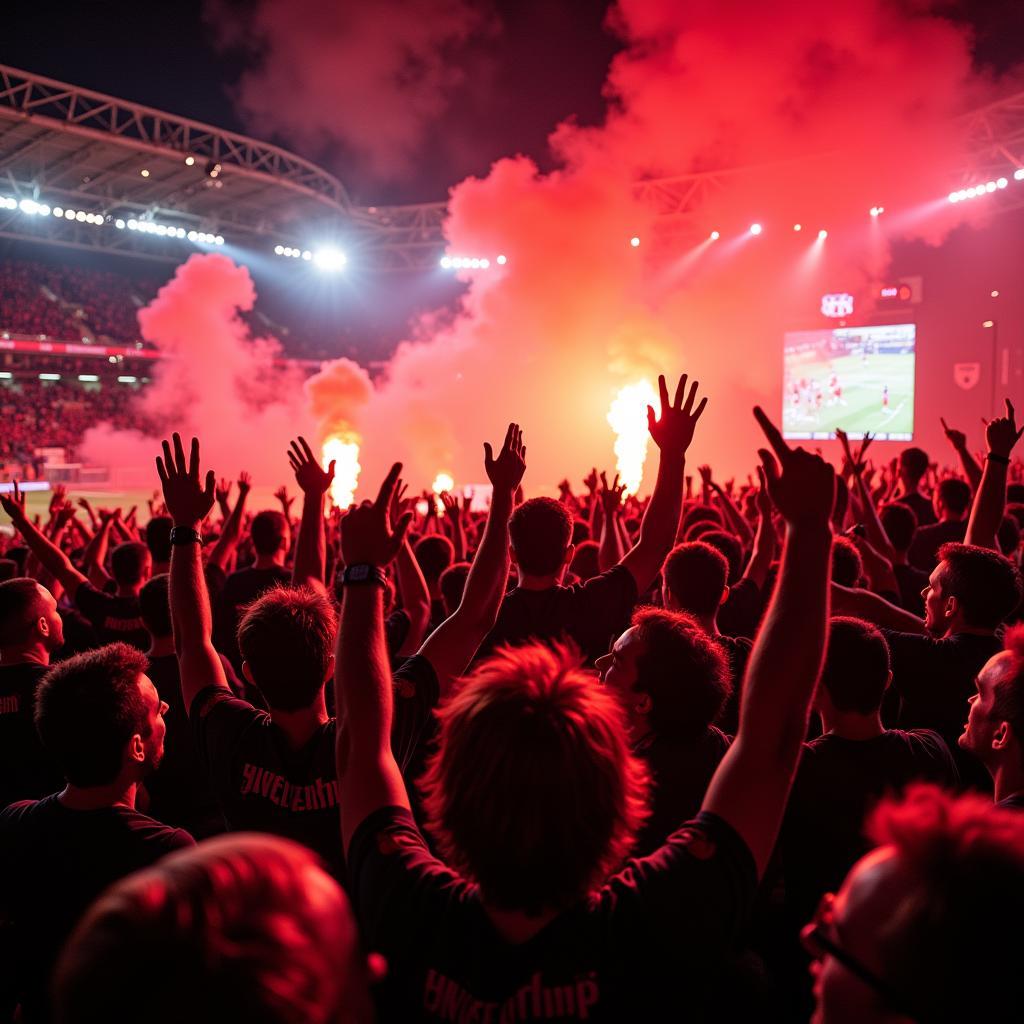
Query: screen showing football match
857,379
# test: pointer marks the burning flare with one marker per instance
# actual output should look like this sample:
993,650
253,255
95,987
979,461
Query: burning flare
443,482
628,418
345,452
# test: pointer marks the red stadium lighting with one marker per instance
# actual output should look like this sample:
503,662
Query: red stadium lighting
634,241
715,236
755,229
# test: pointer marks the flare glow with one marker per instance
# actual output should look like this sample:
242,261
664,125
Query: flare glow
345,453
628,419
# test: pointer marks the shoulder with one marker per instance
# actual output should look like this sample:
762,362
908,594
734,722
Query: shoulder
416,677
221,701
155,833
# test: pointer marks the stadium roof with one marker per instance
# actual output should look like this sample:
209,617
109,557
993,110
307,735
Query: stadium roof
120,161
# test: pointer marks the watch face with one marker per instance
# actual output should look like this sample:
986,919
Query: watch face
359,572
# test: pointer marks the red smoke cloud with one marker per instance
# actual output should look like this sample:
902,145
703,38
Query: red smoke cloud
372,76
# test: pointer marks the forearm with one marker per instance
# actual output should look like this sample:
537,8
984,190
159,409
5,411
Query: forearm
49,556
363,676
762,554
190,602
415,596
458,539
229,534
988,505
735,519
485,584
872,523
96,551
311,545
862,604
970,467
610,550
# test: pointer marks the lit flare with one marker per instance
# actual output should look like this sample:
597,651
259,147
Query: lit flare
628,419
345,453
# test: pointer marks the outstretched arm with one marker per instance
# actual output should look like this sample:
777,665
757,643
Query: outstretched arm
862,604
990,500
311,547
232,528
451,646
189,501
750,787
958,439
368,776
610,549
764,538
672,433
50,557
412,584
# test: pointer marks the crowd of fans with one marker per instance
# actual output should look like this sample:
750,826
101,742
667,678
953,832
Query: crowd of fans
734,752
26,309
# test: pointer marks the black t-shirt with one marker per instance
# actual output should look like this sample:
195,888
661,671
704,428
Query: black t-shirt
114,618
839,780
737,649
639,949
179,790
240,589
922,506
591,614
741,613
26,771
934,680
924,551
265,784
911,583
53,863
680,773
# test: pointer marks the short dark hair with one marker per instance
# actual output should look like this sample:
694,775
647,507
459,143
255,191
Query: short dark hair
964,863
88,708
155,605
1008,535
8,569
696,513
129,563
847,565
695,575
914,462
987,584
20,606
453,583
434,554
900,522
1016,509
1015,494
683,670
533,791
269,531
580,531
158,538
730,546
540,530
955,494
857,665
287,638
695,531
585,560
1008,703
248,924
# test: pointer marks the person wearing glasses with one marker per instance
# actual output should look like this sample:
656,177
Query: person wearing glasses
925,927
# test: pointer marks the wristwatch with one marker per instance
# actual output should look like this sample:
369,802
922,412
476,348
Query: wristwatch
185,535
354,575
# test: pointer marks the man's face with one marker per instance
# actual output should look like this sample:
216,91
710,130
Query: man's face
153,742
862,908
936,619
53,630
981,720
619,672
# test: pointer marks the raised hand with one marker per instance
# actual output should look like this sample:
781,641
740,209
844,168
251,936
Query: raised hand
1002,433
399,503
244,482
957,438
705,477
311,478
223,490
188,499
506,471
451,506
673,430
590,480
13,503
611,497
58,497
285,499
801,485
763,499
367,537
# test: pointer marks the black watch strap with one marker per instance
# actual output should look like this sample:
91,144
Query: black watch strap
185,535
359,575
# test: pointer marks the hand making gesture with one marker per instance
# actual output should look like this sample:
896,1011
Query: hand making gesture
312,480
1002,433
367,535
507,469
673,429
188,499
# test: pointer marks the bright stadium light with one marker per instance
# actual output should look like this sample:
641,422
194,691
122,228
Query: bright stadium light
28,206
822,235
446,263
876,210
1018,175
1001,183
49,376
88,378
798,227
755,229
127,380
144,172
330,260
634,241
58,211
189,161
715,236
502,260
307,255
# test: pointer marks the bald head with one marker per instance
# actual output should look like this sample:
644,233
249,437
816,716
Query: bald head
28,619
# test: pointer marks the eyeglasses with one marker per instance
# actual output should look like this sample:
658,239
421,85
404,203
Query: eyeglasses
817,939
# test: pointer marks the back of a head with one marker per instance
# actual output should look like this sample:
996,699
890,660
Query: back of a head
857,666
242,927
683,670
20,606
269,532
585,561
729,545
696,513
130,563
158,538
1015,493
695,576
155,606
88,708
847,565
955,495
1008,536
8,569
952,946
453,584
986,584
540,530
434,554
914,462
287,638
900,522
533,791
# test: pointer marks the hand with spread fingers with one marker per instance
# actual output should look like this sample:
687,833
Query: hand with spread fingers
611,497
311,478
367,535
673,429
188,498
506,471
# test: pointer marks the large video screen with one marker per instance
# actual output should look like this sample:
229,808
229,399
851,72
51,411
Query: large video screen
859,379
